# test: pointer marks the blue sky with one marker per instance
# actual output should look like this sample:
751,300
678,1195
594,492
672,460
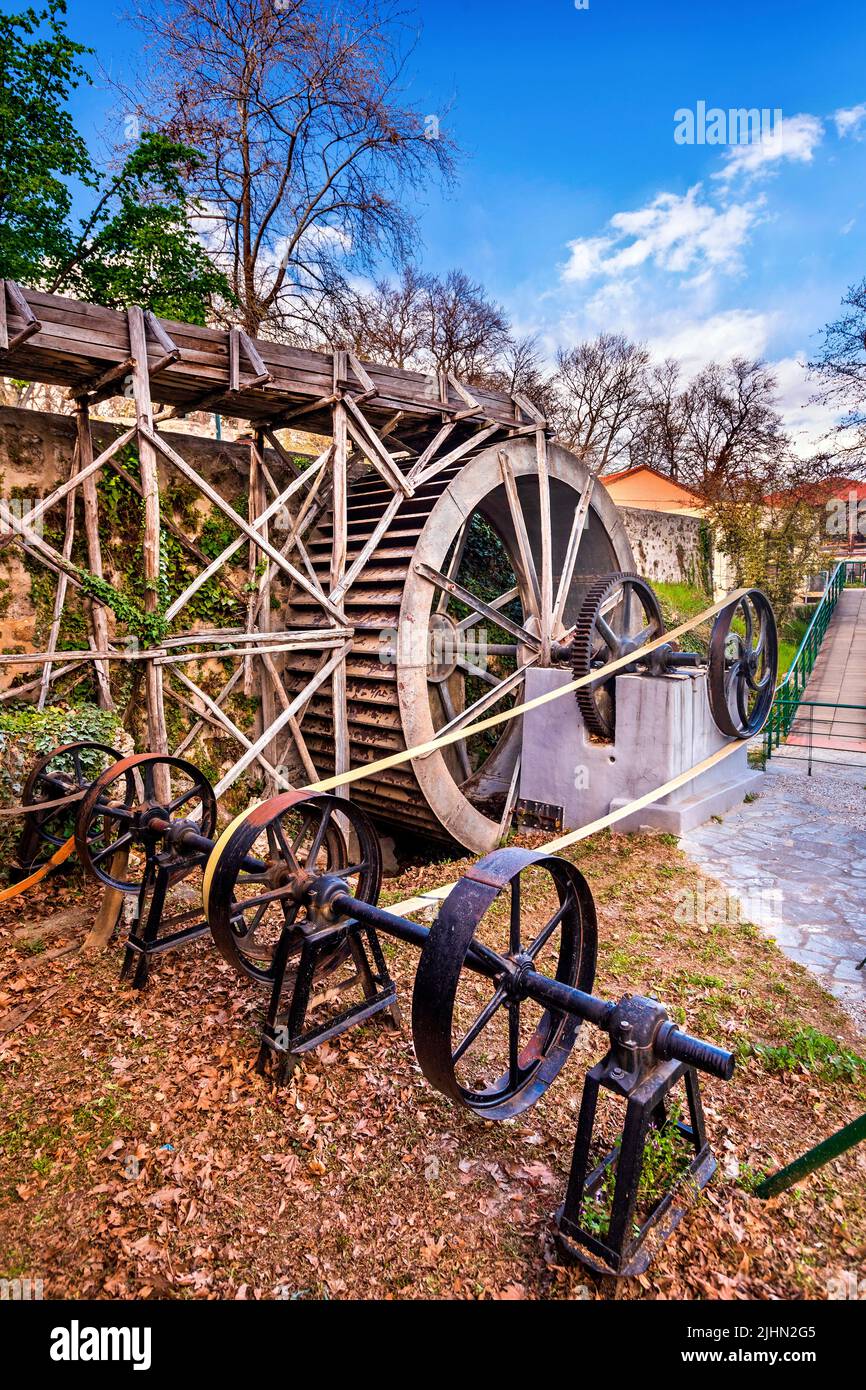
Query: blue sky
579,211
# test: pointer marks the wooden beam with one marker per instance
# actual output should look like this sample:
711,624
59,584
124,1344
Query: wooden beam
366,438
460,452
249,531
519,523
282,719
545,616
98,614
62,584
157,731
229,725
278,503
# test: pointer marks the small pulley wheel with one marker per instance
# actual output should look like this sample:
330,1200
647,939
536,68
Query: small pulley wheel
478,1037
619,616
65,771
260,873
136,808
743,665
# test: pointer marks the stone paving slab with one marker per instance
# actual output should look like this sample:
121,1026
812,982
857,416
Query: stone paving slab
796,857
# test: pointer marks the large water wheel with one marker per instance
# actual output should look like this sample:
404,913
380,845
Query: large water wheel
447,615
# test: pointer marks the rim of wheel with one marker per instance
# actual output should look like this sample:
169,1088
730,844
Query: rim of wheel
459,1034
296,837
55,827
743,665
155,788
480,487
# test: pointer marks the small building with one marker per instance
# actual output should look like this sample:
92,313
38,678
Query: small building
647,489
664,520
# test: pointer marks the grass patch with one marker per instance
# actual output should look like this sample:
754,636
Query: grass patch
806,1049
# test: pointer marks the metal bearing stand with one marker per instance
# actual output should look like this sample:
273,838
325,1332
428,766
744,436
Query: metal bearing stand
633,1070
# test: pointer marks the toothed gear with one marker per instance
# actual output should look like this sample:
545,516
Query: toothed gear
593,647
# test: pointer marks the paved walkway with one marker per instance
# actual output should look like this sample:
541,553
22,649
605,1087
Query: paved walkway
796,858
839,678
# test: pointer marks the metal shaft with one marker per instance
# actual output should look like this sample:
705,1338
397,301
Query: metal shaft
670,1043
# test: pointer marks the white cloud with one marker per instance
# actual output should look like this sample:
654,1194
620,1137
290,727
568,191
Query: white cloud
849,120
694,342
807,420
673,233
794,138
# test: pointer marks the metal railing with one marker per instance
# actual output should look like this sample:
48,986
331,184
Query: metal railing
806,731
790,691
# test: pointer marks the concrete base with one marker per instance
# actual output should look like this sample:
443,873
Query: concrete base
663,727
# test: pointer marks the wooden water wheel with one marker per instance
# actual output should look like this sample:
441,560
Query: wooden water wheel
449,612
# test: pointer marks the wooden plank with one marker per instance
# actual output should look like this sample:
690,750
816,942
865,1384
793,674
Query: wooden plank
4,329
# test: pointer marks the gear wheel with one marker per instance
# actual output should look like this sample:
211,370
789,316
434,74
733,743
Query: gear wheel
607,628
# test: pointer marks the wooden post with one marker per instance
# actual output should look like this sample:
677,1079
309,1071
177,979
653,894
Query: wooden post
98,615
338,569
157,734
261,596
62,585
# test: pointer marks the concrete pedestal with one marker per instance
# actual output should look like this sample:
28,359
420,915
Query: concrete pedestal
663,727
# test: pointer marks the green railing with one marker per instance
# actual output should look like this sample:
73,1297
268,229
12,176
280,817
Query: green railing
791,688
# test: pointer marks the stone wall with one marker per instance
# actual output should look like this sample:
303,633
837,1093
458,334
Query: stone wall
667,545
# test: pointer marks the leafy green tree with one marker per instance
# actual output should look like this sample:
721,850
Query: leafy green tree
136,244
40,149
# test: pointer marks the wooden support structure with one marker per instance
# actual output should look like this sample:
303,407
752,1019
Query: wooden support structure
328,556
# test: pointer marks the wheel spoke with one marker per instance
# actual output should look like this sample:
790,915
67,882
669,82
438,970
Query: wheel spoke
111,849
479,1025
263,899
184,797
453,566
319,837
547,931
513,1042
281,843
485,702
611,639
497,603
514,923
483,609
486,676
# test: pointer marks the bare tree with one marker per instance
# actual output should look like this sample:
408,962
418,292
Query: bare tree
311,155
600,394
733,434
841,371
660,440
522,369
422,322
